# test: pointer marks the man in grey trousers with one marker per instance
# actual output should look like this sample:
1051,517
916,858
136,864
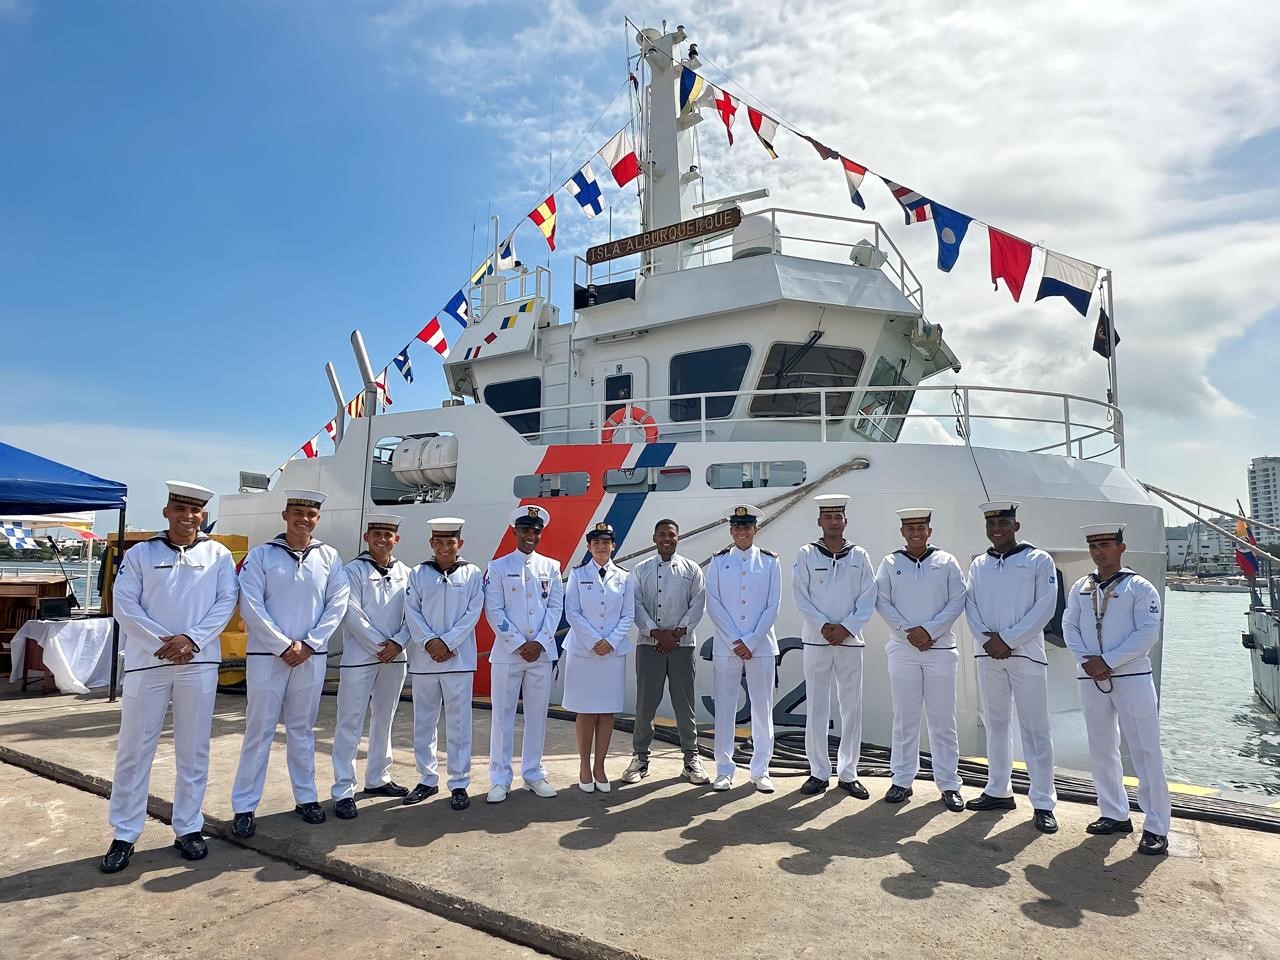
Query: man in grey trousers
670,600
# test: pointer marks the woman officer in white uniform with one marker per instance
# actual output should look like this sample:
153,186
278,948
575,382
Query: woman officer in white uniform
599,603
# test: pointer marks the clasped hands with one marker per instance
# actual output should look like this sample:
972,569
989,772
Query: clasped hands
919,638
995,646
668,640
1096,668
835,633
177,649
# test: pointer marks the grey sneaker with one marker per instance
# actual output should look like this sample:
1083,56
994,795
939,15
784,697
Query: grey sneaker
694,771
637,771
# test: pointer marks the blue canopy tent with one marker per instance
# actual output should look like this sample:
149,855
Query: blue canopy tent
33,485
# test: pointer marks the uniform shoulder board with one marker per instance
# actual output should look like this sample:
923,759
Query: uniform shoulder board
768,553
721,553
622,568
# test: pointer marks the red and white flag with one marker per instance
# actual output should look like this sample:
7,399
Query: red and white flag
433,336
727,107
331,428
766,129
311,449
380,384
619,155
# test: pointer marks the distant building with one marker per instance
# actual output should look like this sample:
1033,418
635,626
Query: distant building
1177,541
1199,546
1264,496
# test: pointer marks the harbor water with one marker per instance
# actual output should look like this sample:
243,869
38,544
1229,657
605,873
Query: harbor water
1215,731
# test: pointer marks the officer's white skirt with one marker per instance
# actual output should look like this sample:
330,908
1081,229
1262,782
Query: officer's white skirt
594,684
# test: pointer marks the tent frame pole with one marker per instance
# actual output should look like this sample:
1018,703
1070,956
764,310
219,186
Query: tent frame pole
115,624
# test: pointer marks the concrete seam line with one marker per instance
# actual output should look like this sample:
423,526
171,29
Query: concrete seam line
468,913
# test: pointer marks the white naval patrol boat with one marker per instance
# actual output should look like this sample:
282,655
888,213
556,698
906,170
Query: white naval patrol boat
744,354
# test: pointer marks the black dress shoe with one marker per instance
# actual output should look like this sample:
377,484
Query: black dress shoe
1045,821
1152,844
984,802
311,812
897,794
1106,825
345,809
814,785
117,857
418,794
388,789
244,826
953,800
458,799
192,846
854,788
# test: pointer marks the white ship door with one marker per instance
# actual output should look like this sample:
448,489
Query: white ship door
616,383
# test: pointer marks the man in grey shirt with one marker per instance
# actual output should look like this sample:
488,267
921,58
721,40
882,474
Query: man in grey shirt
670,600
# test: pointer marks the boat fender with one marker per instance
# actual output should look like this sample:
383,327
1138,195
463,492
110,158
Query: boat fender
639,416
1246,641
1271,656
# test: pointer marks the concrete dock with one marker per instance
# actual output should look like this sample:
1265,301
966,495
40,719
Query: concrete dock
664,870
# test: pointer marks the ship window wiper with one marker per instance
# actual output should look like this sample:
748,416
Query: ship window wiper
790,363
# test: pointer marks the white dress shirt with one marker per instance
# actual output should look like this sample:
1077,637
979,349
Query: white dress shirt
1014,595
287,595
928,592
444,604
523,600
669,594
1130,622
837,587
375,610
744,591
599,608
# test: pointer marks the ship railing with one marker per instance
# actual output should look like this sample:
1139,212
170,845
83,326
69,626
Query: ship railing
799,233
1031,421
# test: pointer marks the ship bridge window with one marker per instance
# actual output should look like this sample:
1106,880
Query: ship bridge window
747,476
707,371
793,366
525,394
531,486
416,469
883,412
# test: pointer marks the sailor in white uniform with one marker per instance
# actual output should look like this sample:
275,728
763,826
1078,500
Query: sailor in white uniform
744,589
834,585
173,597
293,596
371,672
1013,593
1111,623
443,605
600,605
523,600
920,594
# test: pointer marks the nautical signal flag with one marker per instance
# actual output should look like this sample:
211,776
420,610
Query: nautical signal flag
433,336
19,536
380,387
401,360
1010,261
331,428
311,449
544,218
1069,278
854,172
766,129
825,152
692,88
507,254
1104,335
619,155
458,308
1246,559
727,107
915,207
951,227
586,191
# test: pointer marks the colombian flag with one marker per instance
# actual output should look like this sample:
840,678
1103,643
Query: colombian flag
1246,560
544,216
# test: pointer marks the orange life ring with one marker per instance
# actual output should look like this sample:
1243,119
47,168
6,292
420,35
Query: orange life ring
639,416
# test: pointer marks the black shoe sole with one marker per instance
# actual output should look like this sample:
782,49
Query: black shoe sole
346,816
188,856
897,800
1107,833
456,805
860,794
992,808
1045,829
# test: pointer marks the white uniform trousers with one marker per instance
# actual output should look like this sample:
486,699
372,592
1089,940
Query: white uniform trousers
144,702
727,677
454,691
1131,707
924,681
373,691
507,683
821,663
274,689
1024,684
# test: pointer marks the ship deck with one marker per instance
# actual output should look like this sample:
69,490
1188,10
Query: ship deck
666,870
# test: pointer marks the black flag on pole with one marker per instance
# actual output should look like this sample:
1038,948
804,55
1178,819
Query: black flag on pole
1102,335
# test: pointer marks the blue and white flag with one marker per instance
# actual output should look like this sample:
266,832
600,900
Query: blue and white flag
586,191
401,360
19,537
507,254
951,227
1069,278
459,309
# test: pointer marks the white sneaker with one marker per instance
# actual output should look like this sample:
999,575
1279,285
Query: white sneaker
763,784
722,783
638,770
497,794
541,788
603,787
586,787
694,772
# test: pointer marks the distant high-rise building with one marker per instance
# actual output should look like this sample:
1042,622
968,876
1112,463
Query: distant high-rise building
1264,496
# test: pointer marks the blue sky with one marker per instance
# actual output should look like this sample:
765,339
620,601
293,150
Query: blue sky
201,201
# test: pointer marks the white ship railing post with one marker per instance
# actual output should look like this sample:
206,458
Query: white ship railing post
702,418
1066,422
822,413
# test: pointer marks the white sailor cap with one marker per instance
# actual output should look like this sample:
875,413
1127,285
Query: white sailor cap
1100,532
744,514
190,493
304,498
832,502
915,513
446,526
1000,508
530,516
383,521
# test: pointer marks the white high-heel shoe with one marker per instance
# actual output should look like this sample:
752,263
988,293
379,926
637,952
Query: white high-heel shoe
603,787
586,787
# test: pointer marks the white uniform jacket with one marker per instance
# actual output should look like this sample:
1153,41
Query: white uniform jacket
287,596
927,593
523,600
835,587
744,591
1014,595
599,608
1130,622
164,590
444,604
669,595
375,611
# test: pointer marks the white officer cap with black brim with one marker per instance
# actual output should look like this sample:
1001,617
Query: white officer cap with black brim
530,516
744,515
